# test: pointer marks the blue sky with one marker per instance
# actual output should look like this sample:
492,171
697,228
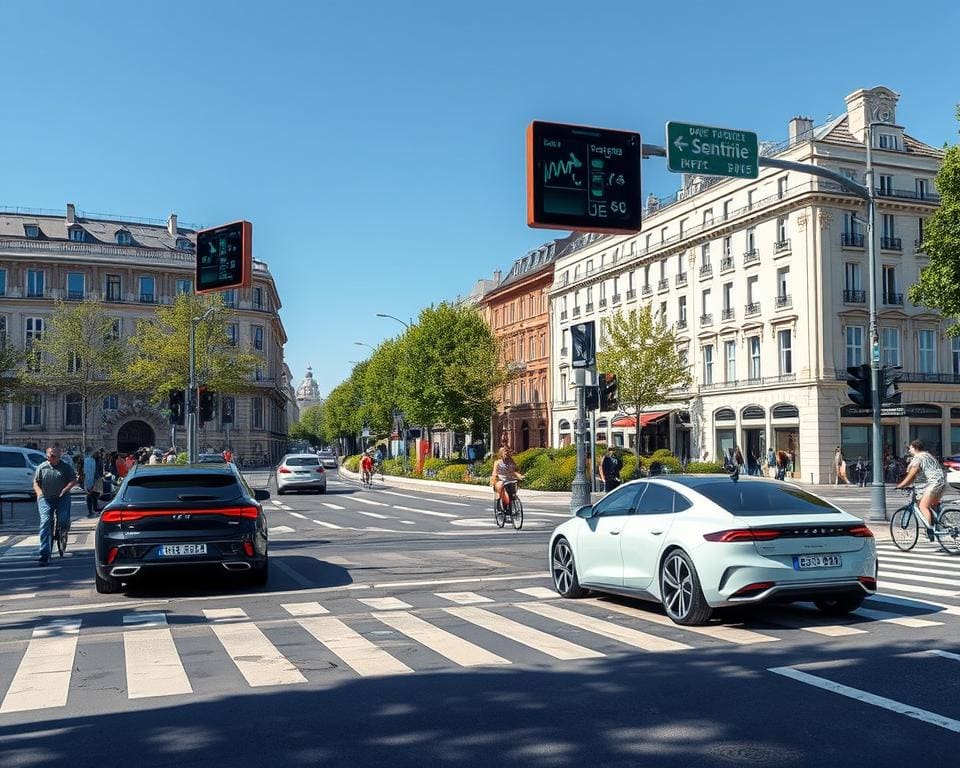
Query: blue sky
378,147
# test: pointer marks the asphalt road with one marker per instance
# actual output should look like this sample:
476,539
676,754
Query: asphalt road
402,628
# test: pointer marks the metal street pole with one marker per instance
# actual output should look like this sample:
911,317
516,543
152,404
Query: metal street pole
878,500
192,388
580,489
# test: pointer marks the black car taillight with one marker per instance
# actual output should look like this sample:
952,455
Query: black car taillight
130,515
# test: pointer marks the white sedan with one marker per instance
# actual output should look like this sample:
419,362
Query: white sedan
695,543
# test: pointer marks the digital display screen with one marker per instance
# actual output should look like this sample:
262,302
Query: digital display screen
223,258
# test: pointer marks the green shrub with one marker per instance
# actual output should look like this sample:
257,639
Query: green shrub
704,467
483,469
453,473
352,463
551,480
537,469
393,467
526,458
629,465
431,466
567,450
182,458
670,462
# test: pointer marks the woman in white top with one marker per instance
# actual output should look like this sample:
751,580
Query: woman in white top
504,471
930,491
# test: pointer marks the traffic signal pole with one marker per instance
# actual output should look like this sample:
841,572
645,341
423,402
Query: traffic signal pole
192,398
580,489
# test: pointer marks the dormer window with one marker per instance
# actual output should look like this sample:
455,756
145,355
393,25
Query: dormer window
184,244
123,237
888,141
77,234
31,230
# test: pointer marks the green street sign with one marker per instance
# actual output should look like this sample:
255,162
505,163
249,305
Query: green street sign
704,149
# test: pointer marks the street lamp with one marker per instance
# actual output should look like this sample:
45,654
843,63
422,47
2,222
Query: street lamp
405,325
364,344
192,388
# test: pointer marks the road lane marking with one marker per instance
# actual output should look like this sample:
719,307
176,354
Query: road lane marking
29,541
362,656
145,619
917,574
892,618
544,514
404,495
18,596
304,609
325,524
332,506
448,645
918,566
384,603
897,586
224,614
302,580
369,501
297,514
827,630
424,511
869,698
930,561
376,515
539,592
406,522
444,501
609,629
464,580
277,529
42,680
463,598
153,664
719,632
927,605
257,659
3,539
276,502
553,646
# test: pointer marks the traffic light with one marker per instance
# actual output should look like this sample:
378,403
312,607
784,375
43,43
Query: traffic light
592,395
584,349
889,391
207,401
609,396
177,401
858,385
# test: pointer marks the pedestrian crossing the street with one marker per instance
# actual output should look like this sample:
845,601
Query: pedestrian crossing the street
346,636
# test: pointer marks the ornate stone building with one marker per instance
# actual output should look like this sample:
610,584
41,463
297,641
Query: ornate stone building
308,392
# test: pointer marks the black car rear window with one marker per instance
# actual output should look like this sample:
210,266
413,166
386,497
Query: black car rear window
178,488
303,461
755,499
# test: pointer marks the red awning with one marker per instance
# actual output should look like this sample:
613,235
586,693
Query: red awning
645,418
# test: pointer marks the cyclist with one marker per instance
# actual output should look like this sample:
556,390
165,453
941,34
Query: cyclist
504,478
366,468
934,483
52,483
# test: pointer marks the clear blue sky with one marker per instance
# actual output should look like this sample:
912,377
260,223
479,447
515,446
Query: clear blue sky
378,147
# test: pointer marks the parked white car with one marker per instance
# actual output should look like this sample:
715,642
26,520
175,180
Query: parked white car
695,543
301,472
17,468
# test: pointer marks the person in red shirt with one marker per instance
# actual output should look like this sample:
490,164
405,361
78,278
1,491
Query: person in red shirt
122,467
366,468
228,455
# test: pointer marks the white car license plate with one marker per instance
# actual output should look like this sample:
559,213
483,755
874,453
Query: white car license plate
801,562
303,471
172,550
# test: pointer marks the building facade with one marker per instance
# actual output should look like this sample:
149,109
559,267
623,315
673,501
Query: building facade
131,267
765,283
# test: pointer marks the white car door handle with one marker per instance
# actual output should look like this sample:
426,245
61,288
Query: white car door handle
655,531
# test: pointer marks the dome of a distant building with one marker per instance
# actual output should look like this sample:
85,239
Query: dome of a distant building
308,392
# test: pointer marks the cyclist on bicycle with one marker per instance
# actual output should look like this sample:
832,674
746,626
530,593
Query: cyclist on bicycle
52,483
366,468
934,484
504,478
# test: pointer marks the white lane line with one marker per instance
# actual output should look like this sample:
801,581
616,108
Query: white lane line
325,524
332,506
827,630
904,569
145,619
448,645
609,629
406,522
369,501
719,632
538,592
276,502
424,511
521,633
385,603
465,580
30,541
297,514
338,560
302,580
926,605
18,596
897,586
540,513
362,656
285,507
404,495
256,657
281,529
223,614
450,503
463,598
153,664
304,609
376,515
945,654
893,618
932,561
43,677
915,575
869,698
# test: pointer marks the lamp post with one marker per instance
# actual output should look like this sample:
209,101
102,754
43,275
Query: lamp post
405,325
192,388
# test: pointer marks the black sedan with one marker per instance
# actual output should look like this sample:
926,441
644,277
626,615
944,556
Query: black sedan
167,516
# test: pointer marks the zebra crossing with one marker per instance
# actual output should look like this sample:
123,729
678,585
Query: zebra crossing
296,643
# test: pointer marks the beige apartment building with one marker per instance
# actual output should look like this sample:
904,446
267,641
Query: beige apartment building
765,282
132,267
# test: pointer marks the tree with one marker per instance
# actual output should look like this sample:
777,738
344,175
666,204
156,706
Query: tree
79,353
642,351
310,425
381,394
939,283
161,346
11,372
343,408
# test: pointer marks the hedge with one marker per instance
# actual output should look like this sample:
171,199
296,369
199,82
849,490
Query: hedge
704,467
453,473
352,463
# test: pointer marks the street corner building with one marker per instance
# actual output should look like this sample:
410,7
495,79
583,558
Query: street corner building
131,267
765,282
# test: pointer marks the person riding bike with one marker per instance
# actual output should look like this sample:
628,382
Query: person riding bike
504,478
366,468
52,483
934,483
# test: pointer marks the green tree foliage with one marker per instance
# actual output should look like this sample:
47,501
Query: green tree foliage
78,353
381,394
343,414
161,346
641,349
939,284
11,372
310,425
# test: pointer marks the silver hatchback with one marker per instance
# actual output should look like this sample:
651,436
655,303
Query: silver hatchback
301,472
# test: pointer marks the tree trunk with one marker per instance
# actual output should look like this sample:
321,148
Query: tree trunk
636,469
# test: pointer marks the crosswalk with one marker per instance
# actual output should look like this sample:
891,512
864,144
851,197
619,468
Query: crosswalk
157,656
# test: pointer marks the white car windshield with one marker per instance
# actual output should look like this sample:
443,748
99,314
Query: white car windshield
746,499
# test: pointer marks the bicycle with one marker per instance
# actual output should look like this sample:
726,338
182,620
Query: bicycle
59,534
366,478
514,510
906,523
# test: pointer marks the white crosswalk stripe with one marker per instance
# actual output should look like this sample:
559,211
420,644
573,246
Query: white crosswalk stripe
362,656
43,678
153,665
256,657
458,650
463,598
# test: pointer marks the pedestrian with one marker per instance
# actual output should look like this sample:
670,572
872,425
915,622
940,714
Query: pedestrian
228,456
772,462
838,469
610,467
52,483
738,458
171,456
782,461
861,470
91,482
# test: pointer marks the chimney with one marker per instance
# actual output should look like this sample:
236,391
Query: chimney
71,214
497,275
801,129
172,225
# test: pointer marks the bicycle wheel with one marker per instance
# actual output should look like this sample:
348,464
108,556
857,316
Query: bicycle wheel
904,528
498,514
949,525
517,514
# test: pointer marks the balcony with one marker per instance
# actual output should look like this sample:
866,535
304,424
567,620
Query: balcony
576,311
74,296
682,324
631,294
563,314
616,298
918,244
784,301
727,314
681,278
114,296
589,306
926,195
781,246
751,309
706,270
854,296
726,263
751,257
893,299
645,291
603,303
891,243
148,298
664,284
851,240
706,320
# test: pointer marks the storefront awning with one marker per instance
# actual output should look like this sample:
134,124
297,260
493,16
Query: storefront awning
645,418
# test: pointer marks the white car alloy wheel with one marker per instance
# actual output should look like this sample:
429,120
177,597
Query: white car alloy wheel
680,590
564,570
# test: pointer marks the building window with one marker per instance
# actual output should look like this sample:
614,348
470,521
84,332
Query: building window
111,403
230,298
890,346
852,276
730,360
705,303
705,255
753,344
889,282
854,344
3,332
682,310
257,412
77,234
887,141
631,277
889,226
663,311
753,292
148,290
708,217
726,210
183,286
886,184
3,282
228,410
708,364
783,282
852,226
184,244
258,298
123,237
75,287
727,247
784,344
543,345
73,410
927,351
233,334
533,348
34,282
32,412
782,189
31,230
33,332
258,372
750,198
727,296
751,239
782,234
563,387
955,354
258,337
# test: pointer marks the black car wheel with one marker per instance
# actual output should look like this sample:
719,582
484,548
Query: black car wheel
840,606
259,576
108,586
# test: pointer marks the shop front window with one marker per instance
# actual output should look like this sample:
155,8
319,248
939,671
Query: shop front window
726,440
929,435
